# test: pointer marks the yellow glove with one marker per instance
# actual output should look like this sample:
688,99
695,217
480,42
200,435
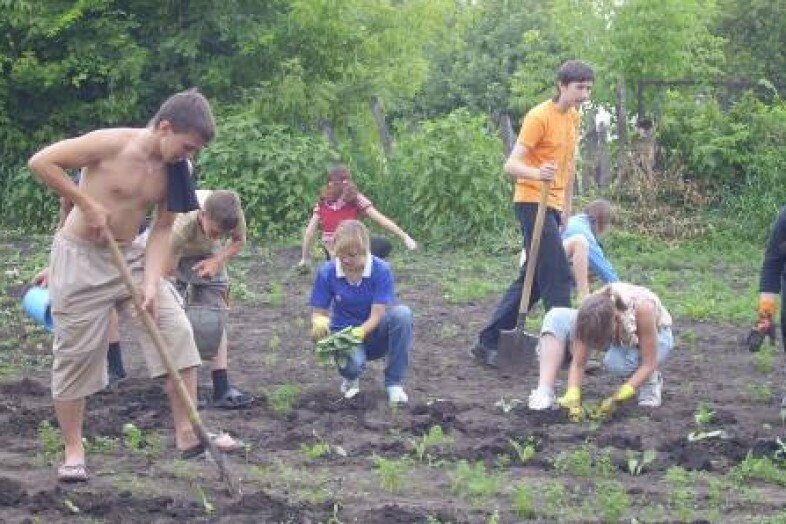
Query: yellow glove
571,401
320,327
610,404
358,333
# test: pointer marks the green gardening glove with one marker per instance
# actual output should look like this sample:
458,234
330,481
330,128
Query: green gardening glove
610,404
571,402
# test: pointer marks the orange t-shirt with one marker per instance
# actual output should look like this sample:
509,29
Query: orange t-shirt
549,135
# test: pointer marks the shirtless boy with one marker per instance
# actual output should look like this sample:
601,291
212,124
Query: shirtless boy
125,172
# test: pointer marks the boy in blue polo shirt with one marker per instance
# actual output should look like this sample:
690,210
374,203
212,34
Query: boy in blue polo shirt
355,289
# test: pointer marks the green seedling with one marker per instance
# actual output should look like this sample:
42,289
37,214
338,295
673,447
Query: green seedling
206,504
638,462
284,398
133,437
613,501
434,437
474,482
757,469
527,450
761,393
764,360
338,346
703,415
70,506
522,499
99,444
50,439
682,494
580,462
316,450
391,472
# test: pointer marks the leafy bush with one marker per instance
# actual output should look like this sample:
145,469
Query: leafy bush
24,201
451,173
277,172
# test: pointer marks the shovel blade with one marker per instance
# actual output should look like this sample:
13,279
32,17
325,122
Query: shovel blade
517,351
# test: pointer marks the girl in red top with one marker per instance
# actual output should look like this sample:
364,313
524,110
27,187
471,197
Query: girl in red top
339,201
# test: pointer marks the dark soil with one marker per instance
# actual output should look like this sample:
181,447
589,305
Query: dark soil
270,349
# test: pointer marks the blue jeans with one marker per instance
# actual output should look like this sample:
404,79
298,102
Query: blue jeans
624,361
392,337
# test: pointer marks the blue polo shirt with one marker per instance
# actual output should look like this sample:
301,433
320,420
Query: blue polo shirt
351,303
598,263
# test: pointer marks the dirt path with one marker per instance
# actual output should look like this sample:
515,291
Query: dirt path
300,415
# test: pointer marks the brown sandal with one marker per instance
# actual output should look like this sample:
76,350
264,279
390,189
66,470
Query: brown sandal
72,473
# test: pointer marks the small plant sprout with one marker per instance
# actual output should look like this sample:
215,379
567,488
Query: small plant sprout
202,498
421,446
283,399
523,501
703,415
51,442
638,462
527,450
474,482
132,437
317,450
391,472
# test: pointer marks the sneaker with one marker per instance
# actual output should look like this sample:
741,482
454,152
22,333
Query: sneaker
397,395
484,355
542,399
350,388
650,391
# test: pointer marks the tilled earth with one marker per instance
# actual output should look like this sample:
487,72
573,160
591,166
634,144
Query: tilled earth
314,457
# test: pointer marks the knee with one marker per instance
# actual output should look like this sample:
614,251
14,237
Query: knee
400,315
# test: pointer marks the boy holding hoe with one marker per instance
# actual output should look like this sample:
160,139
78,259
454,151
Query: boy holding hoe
126,170
543,154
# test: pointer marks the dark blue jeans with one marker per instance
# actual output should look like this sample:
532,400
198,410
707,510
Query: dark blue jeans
392,337
552,275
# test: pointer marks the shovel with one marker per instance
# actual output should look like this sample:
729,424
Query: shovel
232,483
517,349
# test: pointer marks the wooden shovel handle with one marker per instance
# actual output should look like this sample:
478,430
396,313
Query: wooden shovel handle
180,387
534,248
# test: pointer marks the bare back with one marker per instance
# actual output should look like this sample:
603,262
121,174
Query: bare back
123,176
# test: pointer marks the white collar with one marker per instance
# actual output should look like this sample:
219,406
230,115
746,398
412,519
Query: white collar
366,268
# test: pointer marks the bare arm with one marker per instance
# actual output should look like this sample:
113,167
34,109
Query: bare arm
389,225
49,165
517,169
579,360
308,237
647,332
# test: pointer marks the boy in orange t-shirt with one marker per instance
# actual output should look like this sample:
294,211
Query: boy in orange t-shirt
544,152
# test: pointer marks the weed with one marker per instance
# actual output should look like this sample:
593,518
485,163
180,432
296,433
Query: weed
764,359
70,506
50,440
555,495
202,499
274,342
316,450
682,495
391,472
703,415
760,393
435,437
613,501
283,399
474,482
133,437
99,444
494,517
523,501
757,469
524,451
638,462
580,462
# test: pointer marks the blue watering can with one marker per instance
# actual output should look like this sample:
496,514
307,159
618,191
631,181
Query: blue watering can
36,305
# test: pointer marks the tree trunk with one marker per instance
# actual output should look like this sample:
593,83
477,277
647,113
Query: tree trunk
507,133
385,137
622,130
590,156
327,129
604,162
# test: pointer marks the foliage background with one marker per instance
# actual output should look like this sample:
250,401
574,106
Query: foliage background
294,82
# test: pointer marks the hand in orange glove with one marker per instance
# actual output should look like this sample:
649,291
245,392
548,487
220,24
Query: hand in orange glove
765,326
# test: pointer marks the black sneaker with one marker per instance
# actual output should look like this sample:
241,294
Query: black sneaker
484,355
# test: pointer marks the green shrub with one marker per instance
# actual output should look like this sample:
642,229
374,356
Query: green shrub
446,183
277,172
24,201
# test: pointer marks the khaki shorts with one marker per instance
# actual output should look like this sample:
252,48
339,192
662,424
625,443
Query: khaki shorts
84,287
